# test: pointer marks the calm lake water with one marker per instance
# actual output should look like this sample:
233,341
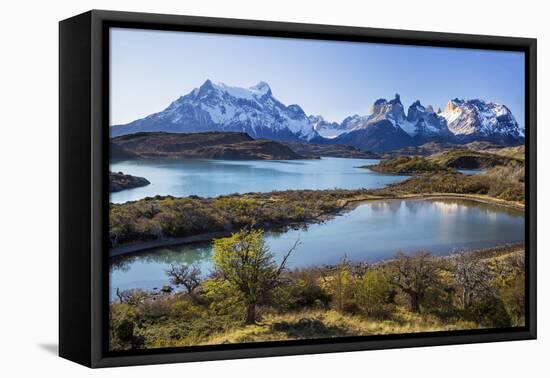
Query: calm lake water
209,178
371,232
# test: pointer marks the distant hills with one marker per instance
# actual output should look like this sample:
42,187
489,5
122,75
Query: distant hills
256,112
227,145
208,145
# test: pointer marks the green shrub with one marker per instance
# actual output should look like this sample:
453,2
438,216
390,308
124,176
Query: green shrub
122,322
490,312
340,285
303,290
372,294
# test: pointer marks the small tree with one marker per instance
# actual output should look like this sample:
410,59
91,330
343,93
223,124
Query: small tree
186,276
340,285
246,262
132,297
472,276
372,293
414,275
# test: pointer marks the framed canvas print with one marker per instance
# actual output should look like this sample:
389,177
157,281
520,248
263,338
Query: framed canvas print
233,188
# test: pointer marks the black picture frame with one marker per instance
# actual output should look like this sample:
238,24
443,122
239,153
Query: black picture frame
83,195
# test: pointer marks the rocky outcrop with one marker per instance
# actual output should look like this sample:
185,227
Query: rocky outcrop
119,181
391,110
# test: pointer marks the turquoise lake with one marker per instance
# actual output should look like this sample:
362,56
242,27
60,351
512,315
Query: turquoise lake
210,178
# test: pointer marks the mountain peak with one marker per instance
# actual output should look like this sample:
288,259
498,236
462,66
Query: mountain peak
418,105
396,99
252,93
296,111
480,118
452,105
422,121
384,109
261,88
216,106
204,88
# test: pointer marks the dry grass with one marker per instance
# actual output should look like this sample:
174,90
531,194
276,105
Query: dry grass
316,324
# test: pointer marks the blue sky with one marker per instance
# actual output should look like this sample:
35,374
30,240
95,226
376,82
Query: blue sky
150,69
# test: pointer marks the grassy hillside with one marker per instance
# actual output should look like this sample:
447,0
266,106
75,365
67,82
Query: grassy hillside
517,152
503,179
407,165
446,161
415,293
468,159
503,183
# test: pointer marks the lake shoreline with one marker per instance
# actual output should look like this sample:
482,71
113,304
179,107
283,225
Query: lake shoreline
496,251
435,196
346,206
182,178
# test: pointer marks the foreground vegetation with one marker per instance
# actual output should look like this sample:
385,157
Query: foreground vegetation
248,297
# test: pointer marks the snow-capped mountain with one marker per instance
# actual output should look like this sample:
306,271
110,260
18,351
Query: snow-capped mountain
255,111
378,136
353,122
387,127
219,107
379,131
424,121
481,119
391,110
326,129
419,119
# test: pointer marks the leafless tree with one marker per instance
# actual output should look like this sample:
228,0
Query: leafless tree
414,275
132,296
472,276
187,276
